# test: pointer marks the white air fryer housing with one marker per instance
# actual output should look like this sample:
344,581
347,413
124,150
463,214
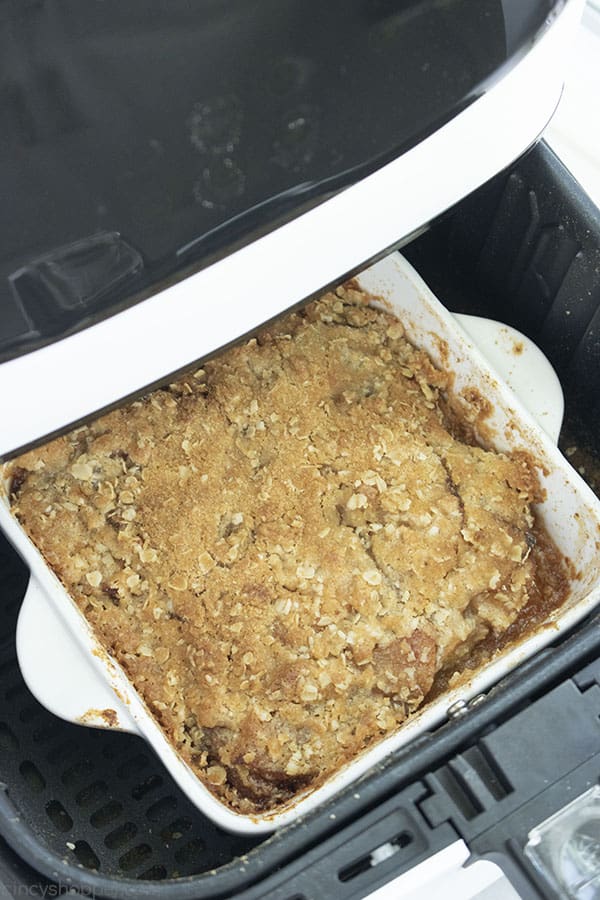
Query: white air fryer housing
114,355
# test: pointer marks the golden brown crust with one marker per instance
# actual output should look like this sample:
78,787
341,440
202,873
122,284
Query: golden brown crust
283,549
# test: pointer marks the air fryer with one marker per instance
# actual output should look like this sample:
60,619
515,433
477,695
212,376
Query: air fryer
109,204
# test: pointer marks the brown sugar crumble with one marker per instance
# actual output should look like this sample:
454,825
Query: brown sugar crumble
285,548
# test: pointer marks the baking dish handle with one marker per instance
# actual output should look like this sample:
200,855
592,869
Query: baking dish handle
524,368
58,672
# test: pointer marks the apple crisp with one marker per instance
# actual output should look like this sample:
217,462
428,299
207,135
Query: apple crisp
285,548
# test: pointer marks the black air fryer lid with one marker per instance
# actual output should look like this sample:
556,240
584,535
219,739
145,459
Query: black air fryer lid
266,149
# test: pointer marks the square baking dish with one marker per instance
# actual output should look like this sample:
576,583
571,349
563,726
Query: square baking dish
94,690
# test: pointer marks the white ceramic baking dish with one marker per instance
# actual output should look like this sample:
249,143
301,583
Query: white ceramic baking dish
67,670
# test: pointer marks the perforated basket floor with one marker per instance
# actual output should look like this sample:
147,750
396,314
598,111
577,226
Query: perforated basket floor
99,799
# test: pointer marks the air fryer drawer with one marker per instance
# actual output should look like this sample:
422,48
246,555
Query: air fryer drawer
97,810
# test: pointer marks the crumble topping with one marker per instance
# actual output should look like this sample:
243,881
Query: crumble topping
284,548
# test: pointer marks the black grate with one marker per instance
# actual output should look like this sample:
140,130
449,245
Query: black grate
99,799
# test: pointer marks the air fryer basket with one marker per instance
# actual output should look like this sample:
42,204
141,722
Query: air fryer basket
96,810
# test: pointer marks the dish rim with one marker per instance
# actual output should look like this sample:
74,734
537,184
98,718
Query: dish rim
131,714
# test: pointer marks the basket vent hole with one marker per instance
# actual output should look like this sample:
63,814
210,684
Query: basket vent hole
32,776
176,829
92,794
161,808
7,667
132,766
156,873
58,815
60,751
85,855
17,690
8,739
46,732
82,769
190,851
135,857
145,787
111,751
29,712
106,814
121,836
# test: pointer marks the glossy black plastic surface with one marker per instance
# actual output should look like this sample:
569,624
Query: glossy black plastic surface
184,129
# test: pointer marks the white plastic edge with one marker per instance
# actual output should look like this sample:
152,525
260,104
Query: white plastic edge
445,874
441,865
57,385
